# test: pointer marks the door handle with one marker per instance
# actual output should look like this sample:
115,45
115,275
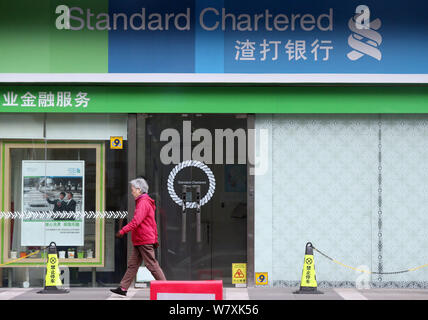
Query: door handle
183,215
198,214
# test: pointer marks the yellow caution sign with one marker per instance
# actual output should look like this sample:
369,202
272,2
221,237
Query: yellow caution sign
53,283
239,273
308,276
52,272
116,142
308,283
261,278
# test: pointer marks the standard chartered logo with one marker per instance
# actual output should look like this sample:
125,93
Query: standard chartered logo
364,40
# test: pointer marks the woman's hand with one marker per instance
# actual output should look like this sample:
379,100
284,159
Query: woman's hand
119,235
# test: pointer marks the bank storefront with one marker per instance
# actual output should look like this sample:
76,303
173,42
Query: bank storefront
258,130
93,154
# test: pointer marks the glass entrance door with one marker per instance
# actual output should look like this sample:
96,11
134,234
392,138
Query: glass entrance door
201,240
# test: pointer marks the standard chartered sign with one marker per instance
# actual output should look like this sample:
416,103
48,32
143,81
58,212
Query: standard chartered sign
270,22
195,164
365,40
254,41
294,38
76,18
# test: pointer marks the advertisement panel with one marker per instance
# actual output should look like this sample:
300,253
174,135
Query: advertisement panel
52,198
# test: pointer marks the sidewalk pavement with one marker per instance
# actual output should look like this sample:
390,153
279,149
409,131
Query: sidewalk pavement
263,293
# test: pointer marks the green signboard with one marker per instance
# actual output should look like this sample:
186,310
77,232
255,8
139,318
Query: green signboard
199,99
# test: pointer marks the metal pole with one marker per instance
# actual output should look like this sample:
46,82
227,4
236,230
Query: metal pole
94,277
9,277
250,208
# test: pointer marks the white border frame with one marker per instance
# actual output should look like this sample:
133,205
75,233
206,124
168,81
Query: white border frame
82,207
210,78
98,261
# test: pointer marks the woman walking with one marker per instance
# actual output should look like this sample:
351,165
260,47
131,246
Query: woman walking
144,237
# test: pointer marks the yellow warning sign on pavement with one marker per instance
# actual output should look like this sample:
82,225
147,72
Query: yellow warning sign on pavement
308,275
261,278
308,283
53,281
52,271
239,273
116,142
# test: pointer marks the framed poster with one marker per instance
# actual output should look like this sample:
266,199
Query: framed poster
52,197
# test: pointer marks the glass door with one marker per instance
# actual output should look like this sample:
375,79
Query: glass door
201,239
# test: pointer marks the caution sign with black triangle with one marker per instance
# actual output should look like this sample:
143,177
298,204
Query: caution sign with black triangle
308,283
53,282
239,273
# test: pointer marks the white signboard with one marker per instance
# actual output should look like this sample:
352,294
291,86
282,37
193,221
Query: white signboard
51,188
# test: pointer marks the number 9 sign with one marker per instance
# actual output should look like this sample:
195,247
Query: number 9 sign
261,278
116,142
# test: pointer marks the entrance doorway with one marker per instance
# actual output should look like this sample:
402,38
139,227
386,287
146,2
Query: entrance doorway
201,240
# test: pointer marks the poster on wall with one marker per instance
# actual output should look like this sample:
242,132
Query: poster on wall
52,198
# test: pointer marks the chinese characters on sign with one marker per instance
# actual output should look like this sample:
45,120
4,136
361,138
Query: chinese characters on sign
44,184
293,50
61,99
239,273
308,274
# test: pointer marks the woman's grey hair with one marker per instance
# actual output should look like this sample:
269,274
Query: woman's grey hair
141,184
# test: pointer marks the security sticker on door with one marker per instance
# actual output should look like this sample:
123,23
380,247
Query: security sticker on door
239,273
